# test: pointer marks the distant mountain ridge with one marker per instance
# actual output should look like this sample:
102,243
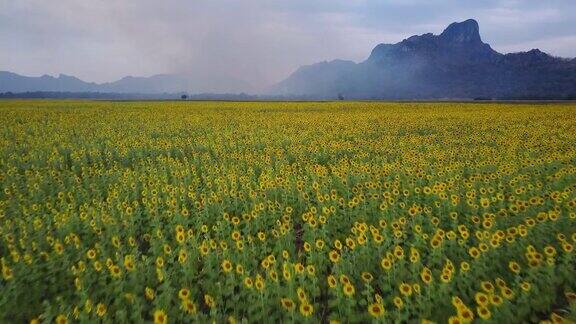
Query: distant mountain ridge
454,64
12,82
156,84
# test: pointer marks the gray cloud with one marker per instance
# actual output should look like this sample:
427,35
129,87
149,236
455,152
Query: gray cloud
259,41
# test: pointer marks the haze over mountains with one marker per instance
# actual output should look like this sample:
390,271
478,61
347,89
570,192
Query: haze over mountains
156,84
454,64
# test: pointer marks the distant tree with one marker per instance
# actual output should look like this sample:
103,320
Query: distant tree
184,97
340,96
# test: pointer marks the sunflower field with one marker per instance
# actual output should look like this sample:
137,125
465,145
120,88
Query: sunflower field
305,212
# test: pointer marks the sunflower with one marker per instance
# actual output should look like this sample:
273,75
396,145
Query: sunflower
474,252
184,293
331,281
334,256
338,245
487,286
299,268
534,263
496,300
525,286
465,314
7,273
189,306
311,270
159,262
287,304
405,289
226,266
180,237
376,310
398,302
115,271
507,293
116,241
100,309
416,288
149,293
386,263
182,256
160,317
514,267
58,248
483,312
88,306
367,277
494,243
348,289
454,320
344,279
398,252
286,274
205,248
306,309
91,254
259,283
457,302
129,263
248,282
481,299
500,283
446,277
61,319
426,277
301,294
209,301
261,236
350,243
464,266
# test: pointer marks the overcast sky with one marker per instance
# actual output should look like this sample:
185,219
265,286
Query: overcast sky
259,41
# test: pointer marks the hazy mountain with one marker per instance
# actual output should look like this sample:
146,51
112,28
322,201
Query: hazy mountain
12,82
454,64
161,83
319,76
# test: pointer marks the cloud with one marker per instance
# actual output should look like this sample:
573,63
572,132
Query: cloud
259,41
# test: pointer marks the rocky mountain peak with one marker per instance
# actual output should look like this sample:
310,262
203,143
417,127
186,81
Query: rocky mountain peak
454,64
467,31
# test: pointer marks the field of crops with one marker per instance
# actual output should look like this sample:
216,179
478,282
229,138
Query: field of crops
291,212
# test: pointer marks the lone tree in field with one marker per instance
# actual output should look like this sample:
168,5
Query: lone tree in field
184,97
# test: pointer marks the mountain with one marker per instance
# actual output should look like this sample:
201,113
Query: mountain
156,84
319,77
12,82
454,64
